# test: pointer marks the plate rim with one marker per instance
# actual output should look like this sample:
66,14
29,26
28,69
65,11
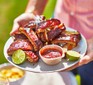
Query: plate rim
58,70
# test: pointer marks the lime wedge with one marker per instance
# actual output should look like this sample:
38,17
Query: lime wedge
72,55
18,56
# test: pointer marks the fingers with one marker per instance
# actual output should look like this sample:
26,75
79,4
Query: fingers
86,59
25,16
15,28
20,21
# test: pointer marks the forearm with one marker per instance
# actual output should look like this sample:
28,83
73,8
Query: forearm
36,6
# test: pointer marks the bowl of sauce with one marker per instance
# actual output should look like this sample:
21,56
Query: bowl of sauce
51,54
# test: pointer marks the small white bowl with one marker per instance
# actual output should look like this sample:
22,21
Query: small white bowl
16,82
52,60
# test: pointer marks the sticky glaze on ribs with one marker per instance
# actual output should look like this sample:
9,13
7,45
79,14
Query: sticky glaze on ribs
22,44
39,32
31,56
35,41
70,39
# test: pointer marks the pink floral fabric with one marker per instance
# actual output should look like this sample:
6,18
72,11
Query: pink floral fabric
77,14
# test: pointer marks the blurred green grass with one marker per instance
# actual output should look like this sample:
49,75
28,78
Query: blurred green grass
78,79
9,9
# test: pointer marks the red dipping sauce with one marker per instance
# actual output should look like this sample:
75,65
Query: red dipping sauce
51,53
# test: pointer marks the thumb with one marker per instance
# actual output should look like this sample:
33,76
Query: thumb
15,28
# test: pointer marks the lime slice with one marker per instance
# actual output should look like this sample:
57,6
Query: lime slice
72,55
18,57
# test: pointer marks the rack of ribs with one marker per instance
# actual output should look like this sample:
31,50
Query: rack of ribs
31,35
69,39
31,56
22,44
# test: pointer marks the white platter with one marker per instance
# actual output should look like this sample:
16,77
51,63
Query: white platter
40,66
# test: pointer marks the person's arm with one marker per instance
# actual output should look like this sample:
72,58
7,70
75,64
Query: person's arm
36,6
